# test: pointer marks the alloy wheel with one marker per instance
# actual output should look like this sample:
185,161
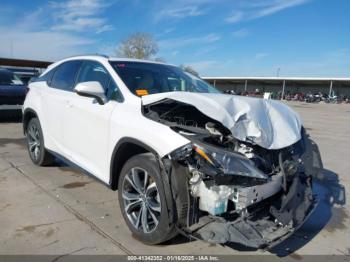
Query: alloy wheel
34,144
141,200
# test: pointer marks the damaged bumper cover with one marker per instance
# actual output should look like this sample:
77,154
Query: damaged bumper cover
255,210
266,227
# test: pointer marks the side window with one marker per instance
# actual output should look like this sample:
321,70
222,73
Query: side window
64,77
94,71
45,78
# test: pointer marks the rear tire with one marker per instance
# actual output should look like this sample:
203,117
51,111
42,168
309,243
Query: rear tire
142,200
35,144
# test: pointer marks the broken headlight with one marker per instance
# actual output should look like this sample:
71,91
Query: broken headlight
229,163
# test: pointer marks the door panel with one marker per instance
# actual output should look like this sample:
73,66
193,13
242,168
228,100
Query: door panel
86,132
53,103
86,124
59,86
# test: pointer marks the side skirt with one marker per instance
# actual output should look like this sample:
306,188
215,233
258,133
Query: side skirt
73,165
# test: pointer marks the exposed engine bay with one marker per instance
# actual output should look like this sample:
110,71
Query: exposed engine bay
229,190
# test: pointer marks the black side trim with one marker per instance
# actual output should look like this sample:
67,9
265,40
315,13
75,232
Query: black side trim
113,183
24,115
71,164
98,99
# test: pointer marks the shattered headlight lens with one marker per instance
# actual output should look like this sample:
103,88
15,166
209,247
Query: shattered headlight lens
229,163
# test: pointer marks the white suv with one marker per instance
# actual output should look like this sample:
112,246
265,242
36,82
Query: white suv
184,156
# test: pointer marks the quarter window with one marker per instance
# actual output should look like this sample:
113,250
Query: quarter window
47,77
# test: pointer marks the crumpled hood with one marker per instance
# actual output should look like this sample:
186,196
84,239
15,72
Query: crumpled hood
267,123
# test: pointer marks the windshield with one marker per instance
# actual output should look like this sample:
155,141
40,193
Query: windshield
9,78
148,78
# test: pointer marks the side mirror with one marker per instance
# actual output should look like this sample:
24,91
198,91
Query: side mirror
91,89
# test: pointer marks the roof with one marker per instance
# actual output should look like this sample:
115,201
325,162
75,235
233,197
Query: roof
134,60
263,78
109,58
44,64
101,58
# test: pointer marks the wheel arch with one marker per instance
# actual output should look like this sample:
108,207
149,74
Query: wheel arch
126,148
28,114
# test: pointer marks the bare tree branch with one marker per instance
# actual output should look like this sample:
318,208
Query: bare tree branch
138,45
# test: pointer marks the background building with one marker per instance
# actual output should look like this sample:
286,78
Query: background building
25,69
283,85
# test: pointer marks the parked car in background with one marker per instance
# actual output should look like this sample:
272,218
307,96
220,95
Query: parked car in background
12,93
230,92
184,156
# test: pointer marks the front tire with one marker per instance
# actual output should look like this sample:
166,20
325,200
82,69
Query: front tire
35,144
142,200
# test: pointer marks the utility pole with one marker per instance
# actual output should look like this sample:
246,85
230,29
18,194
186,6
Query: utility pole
283,89
330,89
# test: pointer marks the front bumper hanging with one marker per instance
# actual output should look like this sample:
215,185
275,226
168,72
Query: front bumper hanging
265,228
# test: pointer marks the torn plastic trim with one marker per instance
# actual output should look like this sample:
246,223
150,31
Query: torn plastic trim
258,230
214,186
262,224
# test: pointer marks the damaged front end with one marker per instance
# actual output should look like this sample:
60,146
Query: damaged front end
228,190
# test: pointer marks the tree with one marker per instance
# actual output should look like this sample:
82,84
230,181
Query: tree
190,70
138,45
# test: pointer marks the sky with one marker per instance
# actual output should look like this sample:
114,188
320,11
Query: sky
215,37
